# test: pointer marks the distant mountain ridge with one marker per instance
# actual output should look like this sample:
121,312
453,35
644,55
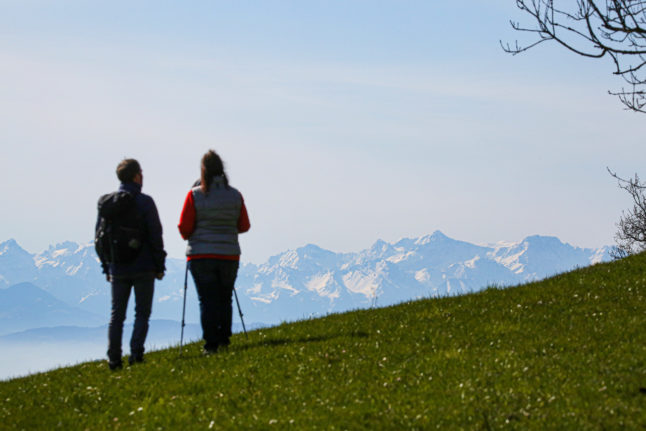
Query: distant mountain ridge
310,278
310,281
24,306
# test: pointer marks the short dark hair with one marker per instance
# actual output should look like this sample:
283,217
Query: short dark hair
127,170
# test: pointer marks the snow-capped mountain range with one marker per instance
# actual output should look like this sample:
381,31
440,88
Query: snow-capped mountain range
303,282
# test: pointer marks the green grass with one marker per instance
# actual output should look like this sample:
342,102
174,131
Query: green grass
565,353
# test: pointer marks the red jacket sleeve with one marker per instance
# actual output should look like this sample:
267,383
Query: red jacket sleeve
243,220
187,218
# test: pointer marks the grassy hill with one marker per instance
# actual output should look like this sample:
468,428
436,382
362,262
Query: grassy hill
565,353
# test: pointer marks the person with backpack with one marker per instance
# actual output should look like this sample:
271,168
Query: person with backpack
213,215
129,244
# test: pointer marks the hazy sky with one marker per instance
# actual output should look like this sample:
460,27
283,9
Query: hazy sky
341,122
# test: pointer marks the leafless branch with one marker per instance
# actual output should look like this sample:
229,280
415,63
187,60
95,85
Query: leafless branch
631,233
593,29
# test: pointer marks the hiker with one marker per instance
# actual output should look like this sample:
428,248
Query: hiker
133,256
213,215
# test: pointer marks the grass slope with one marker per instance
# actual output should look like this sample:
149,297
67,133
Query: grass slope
565,353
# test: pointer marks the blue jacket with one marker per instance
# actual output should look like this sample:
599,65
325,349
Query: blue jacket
152,257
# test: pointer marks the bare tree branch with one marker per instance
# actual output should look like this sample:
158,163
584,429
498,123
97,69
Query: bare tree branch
593,29
631,233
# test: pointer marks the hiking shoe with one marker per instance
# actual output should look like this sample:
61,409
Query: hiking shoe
135,359
115,365
209,352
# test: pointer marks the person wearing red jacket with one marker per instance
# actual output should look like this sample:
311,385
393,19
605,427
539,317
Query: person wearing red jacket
213,215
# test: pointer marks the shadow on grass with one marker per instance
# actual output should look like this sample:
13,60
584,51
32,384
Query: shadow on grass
274,342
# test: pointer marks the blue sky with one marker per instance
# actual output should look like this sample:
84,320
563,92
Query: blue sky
340,121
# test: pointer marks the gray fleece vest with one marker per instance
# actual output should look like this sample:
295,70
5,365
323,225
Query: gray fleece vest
216,220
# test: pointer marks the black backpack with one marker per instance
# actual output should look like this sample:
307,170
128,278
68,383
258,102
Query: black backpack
118,237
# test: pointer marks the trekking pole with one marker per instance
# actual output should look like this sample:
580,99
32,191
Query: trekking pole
181,339
240,311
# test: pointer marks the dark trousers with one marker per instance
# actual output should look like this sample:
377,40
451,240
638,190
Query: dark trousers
121,287
214,282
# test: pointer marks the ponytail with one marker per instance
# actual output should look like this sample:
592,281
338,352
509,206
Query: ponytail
212,166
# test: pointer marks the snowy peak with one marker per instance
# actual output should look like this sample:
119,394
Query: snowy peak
436,236
380,246
544,242
67,259
311,280
66,248
308,256
68,255
601,255
312,252
16,264
56,253
380,249
539,256
11,247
